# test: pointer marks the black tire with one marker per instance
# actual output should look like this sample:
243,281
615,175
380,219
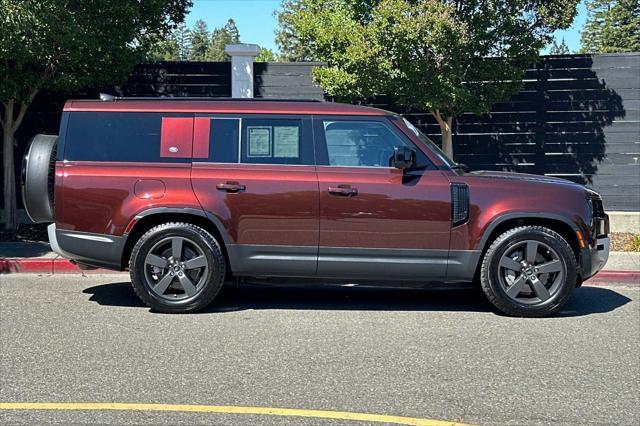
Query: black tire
161,286
38,178
513,287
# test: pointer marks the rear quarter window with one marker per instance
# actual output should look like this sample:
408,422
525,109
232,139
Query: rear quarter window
119,136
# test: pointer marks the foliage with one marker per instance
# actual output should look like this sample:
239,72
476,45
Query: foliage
266,55
61,44
559,49
287,40
448,57
220,37
164,49
612,26
182,35
199,41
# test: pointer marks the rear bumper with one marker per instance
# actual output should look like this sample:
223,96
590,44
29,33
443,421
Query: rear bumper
100,250
592,260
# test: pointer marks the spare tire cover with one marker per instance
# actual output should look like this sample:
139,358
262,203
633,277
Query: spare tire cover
38,178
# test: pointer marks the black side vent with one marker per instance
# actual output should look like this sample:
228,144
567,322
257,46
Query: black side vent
459,203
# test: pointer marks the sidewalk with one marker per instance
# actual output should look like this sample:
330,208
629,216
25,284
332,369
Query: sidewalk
22,257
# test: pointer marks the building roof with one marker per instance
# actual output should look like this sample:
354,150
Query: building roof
229,106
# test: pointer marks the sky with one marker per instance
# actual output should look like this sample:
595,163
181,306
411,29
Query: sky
257,24
254,18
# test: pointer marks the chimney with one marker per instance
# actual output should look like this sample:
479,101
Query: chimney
242,55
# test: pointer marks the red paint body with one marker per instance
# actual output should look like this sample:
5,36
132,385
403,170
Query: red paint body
100,198
285,205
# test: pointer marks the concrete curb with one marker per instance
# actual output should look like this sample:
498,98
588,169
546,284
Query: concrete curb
620,277
44,265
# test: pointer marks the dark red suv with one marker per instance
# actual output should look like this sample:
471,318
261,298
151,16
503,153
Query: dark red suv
188,193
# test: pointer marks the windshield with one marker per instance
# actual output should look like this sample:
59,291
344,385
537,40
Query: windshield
435,148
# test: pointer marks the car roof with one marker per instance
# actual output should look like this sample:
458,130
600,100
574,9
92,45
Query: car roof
228,105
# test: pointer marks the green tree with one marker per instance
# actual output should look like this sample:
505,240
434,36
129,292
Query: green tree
445,56
164,49
199,41
220,37
612,26
266,55
58,44
559,49
287,40
182,34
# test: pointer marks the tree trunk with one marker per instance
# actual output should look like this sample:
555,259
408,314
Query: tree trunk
10,122
446,131
9,189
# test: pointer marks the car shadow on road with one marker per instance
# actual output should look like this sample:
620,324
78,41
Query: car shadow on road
585,300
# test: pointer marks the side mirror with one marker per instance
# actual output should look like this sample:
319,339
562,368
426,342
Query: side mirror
403,157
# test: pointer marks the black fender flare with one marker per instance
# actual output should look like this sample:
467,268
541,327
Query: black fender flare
185,210
521,215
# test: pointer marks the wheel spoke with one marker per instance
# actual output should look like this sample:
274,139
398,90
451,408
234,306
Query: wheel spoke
532,251
516,287
176,248
158,261
163,284
509,263
196,262
187,285
539,288
553,266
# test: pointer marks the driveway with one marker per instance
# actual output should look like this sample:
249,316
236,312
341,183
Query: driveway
420,354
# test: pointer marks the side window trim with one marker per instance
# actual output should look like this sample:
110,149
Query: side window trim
320,142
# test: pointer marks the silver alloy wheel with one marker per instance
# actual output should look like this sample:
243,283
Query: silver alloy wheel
530,272
176,268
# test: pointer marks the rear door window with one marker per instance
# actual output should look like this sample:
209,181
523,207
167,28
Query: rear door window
216,139
276,141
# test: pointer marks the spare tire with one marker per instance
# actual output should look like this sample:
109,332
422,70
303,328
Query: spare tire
38,178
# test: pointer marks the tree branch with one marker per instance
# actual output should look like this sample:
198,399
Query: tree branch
23,108
438,117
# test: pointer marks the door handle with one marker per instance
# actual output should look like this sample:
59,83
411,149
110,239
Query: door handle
343,190
231,187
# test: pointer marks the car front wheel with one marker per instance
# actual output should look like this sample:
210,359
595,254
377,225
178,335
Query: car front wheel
529,271
177,268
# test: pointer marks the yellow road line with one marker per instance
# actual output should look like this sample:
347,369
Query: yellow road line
227,409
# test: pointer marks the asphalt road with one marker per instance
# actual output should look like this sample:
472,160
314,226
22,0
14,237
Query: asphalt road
428,354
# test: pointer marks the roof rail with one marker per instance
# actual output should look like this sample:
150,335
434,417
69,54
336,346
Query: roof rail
107,97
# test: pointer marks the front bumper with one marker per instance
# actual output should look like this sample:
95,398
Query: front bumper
100,250
592,260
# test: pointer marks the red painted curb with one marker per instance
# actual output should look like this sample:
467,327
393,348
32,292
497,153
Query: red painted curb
44,265
606,277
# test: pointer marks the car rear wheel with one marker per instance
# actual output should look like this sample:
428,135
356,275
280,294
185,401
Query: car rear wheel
529,271
177,268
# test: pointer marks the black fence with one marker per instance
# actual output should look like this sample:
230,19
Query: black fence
578,116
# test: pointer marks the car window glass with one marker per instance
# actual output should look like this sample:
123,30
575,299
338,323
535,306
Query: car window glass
360,143
115,136
274,141
223,140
